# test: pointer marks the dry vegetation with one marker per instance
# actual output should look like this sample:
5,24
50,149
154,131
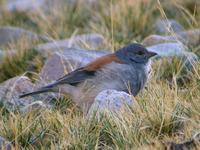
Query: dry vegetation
167,110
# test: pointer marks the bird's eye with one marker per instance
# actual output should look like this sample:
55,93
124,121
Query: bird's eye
140,53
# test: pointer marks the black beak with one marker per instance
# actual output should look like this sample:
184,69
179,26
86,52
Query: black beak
151,54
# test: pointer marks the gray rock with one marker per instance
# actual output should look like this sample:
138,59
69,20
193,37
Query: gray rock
189,38
168,49
4,144
12,34
64,62
174,50
56,66
40,6
111,100
24,5
157,39
92,40
83,54
190,59
168,26
12,88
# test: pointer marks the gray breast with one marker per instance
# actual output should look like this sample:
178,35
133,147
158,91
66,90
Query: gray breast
122,77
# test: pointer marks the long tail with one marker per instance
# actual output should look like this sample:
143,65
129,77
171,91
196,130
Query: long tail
35,92
48,88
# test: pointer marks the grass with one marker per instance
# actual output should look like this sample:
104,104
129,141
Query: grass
166,110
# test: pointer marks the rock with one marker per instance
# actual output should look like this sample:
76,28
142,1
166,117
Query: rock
168,49
189,38
64,62
40,6
192,57
92,40
156,39
37,105
4,144
83,55
12,88
171,50
174,50
167,26
111,100
56,66
24,5
12,34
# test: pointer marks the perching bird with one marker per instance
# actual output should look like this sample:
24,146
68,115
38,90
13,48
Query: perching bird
125,70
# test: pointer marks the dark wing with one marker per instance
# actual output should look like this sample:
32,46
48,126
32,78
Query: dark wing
74,77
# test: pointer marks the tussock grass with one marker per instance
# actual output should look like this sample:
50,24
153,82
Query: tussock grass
20,57
166,110
161,112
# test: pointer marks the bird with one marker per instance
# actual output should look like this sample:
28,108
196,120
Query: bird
127,69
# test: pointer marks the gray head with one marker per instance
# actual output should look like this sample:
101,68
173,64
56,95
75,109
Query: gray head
134,53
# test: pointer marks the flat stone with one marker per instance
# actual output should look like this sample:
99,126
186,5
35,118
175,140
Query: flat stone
157,39
92,40
40,6
168,49
84,55
190,59
10,34
178,50
189,38
57,66
172,50
111,100
24,5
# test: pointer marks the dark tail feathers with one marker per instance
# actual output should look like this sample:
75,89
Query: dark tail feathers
42,90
